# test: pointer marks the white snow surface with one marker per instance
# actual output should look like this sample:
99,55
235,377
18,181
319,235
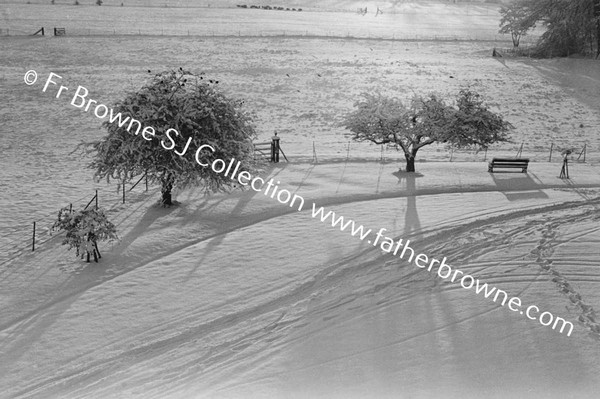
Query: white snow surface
239,296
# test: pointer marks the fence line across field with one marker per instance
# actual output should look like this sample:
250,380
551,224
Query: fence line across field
321,152
485,35
29,242
338,151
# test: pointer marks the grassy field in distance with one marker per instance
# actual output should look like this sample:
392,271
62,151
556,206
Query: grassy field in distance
404,21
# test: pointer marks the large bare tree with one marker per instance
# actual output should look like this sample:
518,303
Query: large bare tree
424,121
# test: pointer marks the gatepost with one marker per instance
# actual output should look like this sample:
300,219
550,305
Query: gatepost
275,148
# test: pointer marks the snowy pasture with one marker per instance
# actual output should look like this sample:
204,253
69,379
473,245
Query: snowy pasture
239,296
299,87
232,296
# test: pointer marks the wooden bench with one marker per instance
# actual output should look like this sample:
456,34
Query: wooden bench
508,163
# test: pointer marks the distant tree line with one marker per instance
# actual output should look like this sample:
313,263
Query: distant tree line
269,8
572,26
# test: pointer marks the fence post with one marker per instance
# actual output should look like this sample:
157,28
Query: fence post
551,147
314,153
485,155
33,239
146,181
520,152
71,208
123,190
583,151
96,199
451,153
348,152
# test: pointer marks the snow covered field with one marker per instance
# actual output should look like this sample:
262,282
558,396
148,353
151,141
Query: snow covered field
549,102
238,296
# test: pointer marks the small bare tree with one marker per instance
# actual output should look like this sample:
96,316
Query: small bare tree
84,229
515,19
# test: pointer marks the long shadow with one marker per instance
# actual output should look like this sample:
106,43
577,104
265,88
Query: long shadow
236,211
412,223
29,330
29,326
153,213
518,186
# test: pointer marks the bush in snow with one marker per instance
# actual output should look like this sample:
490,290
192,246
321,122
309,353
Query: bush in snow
84,229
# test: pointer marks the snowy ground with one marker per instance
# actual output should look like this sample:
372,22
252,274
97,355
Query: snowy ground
550,102
237,296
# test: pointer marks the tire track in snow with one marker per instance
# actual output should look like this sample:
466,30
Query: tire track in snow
544,247
252,220
322,281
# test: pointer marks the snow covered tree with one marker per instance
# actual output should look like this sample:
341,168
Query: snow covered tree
181,114
572,26
84,229
384,120
515,20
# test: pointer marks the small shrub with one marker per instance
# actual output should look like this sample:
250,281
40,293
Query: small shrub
84,229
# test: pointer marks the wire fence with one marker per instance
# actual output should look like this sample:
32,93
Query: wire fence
475,35
31,238
324,152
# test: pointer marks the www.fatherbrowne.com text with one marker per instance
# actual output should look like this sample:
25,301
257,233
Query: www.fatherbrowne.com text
269,188
402,249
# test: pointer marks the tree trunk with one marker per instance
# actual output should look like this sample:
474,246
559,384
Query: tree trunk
410,163
166,194
410,159
167,186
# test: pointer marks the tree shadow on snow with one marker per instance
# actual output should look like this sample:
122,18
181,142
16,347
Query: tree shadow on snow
236,213
412,224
